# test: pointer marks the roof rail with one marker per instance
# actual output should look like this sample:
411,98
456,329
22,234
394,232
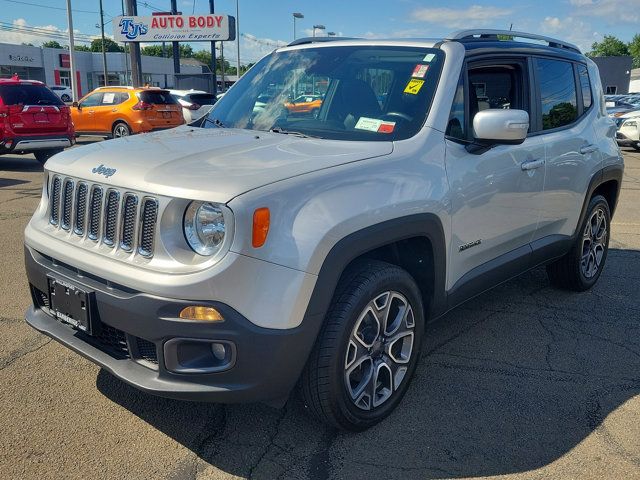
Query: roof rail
306,40
114,86
493,35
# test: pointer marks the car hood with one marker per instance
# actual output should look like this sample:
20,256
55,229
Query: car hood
215,164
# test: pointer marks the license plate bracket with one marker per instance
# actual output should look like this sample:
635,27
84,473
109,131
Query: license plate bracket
166,114
72,304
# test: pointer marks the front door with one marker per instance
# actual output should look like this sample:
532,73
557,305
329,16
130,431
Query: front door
84,115
496,195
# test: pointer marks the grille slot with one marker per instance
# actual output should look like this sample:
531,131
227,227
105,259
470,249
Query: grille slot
148,219
110,340
111,207
129,211
94,212
55,201
147,351
105,215
81,208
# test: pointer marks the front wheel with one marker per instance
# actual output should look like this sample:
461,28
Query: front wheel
368,348
121,129
580,269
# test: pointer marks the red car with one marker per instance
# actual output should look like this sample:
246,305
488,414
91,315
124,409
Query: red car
33,119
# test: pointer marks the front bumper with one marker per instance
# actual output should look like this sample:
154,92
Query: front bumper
267,362
624,141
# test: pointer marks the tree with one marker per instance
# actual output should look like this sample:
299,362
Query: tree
109,45
81,48
186,51
610,46
634,50
51,44
27,44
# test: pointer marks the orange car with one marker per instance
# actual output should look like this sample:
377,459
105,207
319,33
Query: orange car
122,111
304,104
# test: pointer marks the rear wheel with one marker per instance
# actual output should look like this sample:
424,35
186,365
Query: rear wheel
368,348
580,269
43,155
121,129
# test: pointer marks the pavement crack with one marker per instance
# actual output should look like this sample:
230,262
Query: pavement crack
18,354
270,444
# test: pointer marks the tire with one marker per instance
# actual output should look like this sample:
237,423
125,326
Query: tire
577,270
65,98
636,146
348,351
43,155
121,129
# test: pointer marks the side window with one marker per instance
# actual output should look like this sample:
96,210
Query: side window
92,100
585,84
456,123
558,93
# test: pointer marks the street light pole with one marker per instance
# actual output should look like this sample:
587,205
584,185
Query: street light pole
317,27
214,86
296,15
72,52
237,40
104,53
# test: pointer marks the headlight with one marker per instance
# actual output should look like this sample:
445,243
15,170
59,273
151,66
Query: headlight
204,227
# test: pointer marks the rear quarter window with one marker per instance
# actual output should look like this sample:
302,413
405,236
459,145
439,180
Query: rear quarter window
24,94
158,98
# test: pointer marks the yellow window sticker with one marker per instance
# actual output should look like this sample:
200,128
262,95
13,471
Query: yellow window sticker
414,86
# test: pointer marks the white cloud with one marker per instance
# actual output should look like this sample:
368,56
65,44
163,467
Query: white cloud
17,36
570,29
473,16
611,10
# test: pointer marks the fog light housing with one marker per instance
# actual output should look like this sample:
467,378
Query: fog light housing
194,355
201,313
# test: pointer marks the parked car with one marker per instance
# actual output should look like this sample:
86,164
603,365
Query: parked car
122,111
617,108
305,104
628,134
195,103
63,92
233,262
33,119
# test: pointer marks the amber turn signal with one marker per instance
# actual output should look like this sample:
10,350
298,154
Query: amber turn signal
261,219
208,314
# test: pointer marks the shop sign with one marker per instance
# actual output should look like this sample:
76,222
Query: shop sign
174,28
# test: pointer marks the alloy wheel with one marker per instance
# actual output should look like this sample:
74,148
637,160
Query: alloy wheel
594,243
121,130
379,350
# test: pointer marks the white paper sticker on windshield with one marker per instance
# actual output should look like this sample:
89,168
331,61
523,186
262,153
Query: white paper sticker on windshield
429,57
375,125
108,97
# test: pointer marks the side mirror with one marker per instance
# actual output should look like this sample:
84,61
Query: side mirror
500,127
76,105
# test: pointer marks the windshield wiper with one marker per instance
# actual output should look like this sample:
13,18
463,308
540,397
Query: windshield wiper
216,122
291,132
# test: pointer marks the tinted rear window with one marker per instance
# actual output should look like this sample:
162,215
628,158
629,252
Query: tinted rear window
203,98
162,97
28,95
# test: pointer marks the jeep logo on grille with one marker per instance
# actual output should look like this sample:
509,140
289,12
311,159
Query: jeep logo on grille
102,170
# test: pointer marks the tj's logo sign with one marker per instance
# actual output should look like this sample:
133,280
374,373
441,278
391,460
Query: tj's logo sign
132,30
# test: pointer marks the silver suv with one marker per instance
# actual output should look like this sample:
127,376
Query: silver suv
280,246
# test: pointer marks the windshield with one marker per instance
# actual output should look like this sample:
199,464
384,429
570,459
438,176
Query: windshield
26,94
351,93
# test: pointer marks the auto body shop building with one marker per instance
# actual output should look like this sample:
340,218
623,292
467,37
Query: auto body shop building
52,66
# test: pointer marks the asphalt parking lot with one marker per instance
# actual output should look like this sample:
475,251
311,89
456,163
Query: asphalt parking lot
523,382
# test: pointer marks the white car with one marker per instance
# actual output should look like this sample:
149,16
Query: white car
63,92
195,103
628,134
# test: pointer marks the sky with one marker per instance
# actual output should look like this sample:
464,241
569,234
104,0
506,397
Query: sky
264,25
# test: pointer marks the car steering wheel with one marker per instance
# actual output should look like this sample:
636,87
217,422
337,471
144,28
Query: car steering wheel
403,116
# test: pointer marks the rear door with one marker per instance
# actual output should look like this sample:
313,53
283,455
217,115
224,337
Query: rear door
34,109
164,111
108,110
572,154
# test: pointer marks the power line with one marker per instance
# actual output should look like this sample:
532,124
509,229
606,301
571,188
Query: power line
47,6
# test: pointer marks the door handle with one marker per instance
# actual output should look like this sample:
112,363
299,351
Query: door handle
589,149
92,111
532,164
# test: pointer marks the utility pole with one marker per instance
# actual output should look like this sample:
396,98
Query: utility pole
222,65
104,54
134,48
214,87
72,55
126,59
238,39
176,48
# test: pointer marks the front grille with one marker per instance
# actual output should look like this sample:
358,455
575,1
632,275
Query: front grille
147,351
110,217
110,340
55,201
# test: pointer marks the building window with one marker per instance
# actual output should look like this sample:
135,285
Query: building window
611,89
65,78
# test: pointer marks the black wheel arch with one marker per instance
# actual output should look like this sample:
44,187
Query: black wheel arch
606,182
120,120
